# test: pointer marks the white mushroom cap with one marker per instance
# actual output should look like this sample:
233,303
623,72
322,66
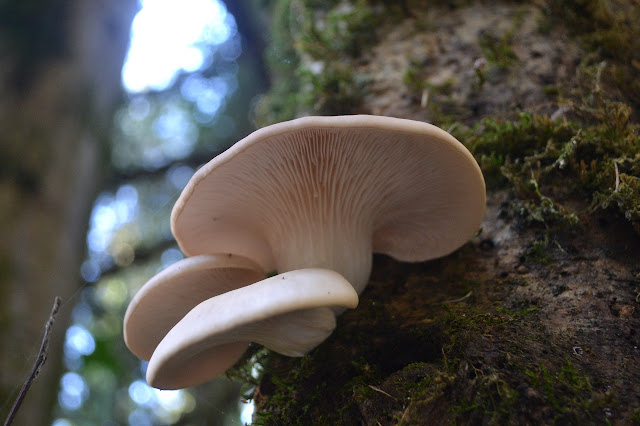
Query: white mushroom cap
287,313
167,297
326,192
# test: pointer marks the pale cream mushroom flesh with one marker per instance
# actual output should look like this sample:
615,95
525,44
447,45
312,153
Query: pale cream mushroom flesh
327,192
286,313
233,304
167,297
316,192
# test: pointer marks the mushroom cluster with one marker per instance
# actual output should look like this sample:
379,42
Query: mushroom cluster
312,198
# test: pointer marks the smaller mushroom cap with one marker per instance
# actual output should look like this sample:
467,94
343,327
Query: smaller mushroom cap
167,297
288,313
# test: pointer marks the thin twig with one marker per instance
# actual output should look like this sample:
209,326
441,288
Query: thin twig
466,296
382,392
42,358
424,100
615,166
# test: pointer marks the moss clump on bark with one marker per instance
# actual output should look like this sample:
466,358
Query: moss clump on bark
330,384
364,374
311,53
405,356
514,387
594,159
608,29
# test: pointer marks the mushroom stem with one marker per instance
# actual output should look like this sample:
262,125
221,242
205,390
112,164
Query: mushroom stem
342,249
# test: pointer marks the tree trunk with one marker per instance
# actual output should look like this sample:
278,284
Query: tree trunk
60,80
536,319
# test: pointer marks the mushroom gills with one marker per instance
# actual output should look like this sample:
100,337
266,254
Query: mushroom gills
327,192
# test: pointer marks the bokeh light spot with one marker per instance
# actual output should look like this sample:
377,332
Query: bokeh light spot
78,342
164,40
73,391
170,256
179,175
111,294
141,393
246,412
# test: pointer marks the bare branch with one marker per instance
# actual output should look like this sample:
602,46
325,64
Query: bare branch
42,358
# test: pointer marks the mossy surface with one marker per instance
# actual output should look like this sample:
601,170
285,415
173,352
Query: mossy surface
527,323
405,357
339,378
609,31
593,159
311,56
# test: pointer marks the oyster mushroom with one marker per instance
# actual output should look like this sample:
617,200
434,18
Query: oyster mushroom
167,297
286,313
316,192
327,192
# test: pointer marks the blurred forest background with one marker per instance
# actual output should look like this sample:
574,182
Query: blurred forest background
108,107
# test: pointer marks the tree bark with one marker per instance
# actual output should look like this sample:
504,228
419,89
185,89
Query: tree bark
528,323
61,63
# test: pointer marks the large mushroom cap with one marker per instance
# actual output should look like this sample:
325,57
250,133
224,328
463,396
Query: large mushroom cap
287,313
167,297
327,191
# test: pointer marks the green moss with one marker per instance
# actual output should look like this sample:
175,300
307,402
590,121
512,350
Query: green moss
424,386
310,58
351,377
485,397
494,398
467,365
501,392
462,325
345,32
416,82
566,392
569,392
609,28
248,369
497,143
497,50
301,385
537,252
625,197
594,159
332,91
521,313
536,208
336,382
